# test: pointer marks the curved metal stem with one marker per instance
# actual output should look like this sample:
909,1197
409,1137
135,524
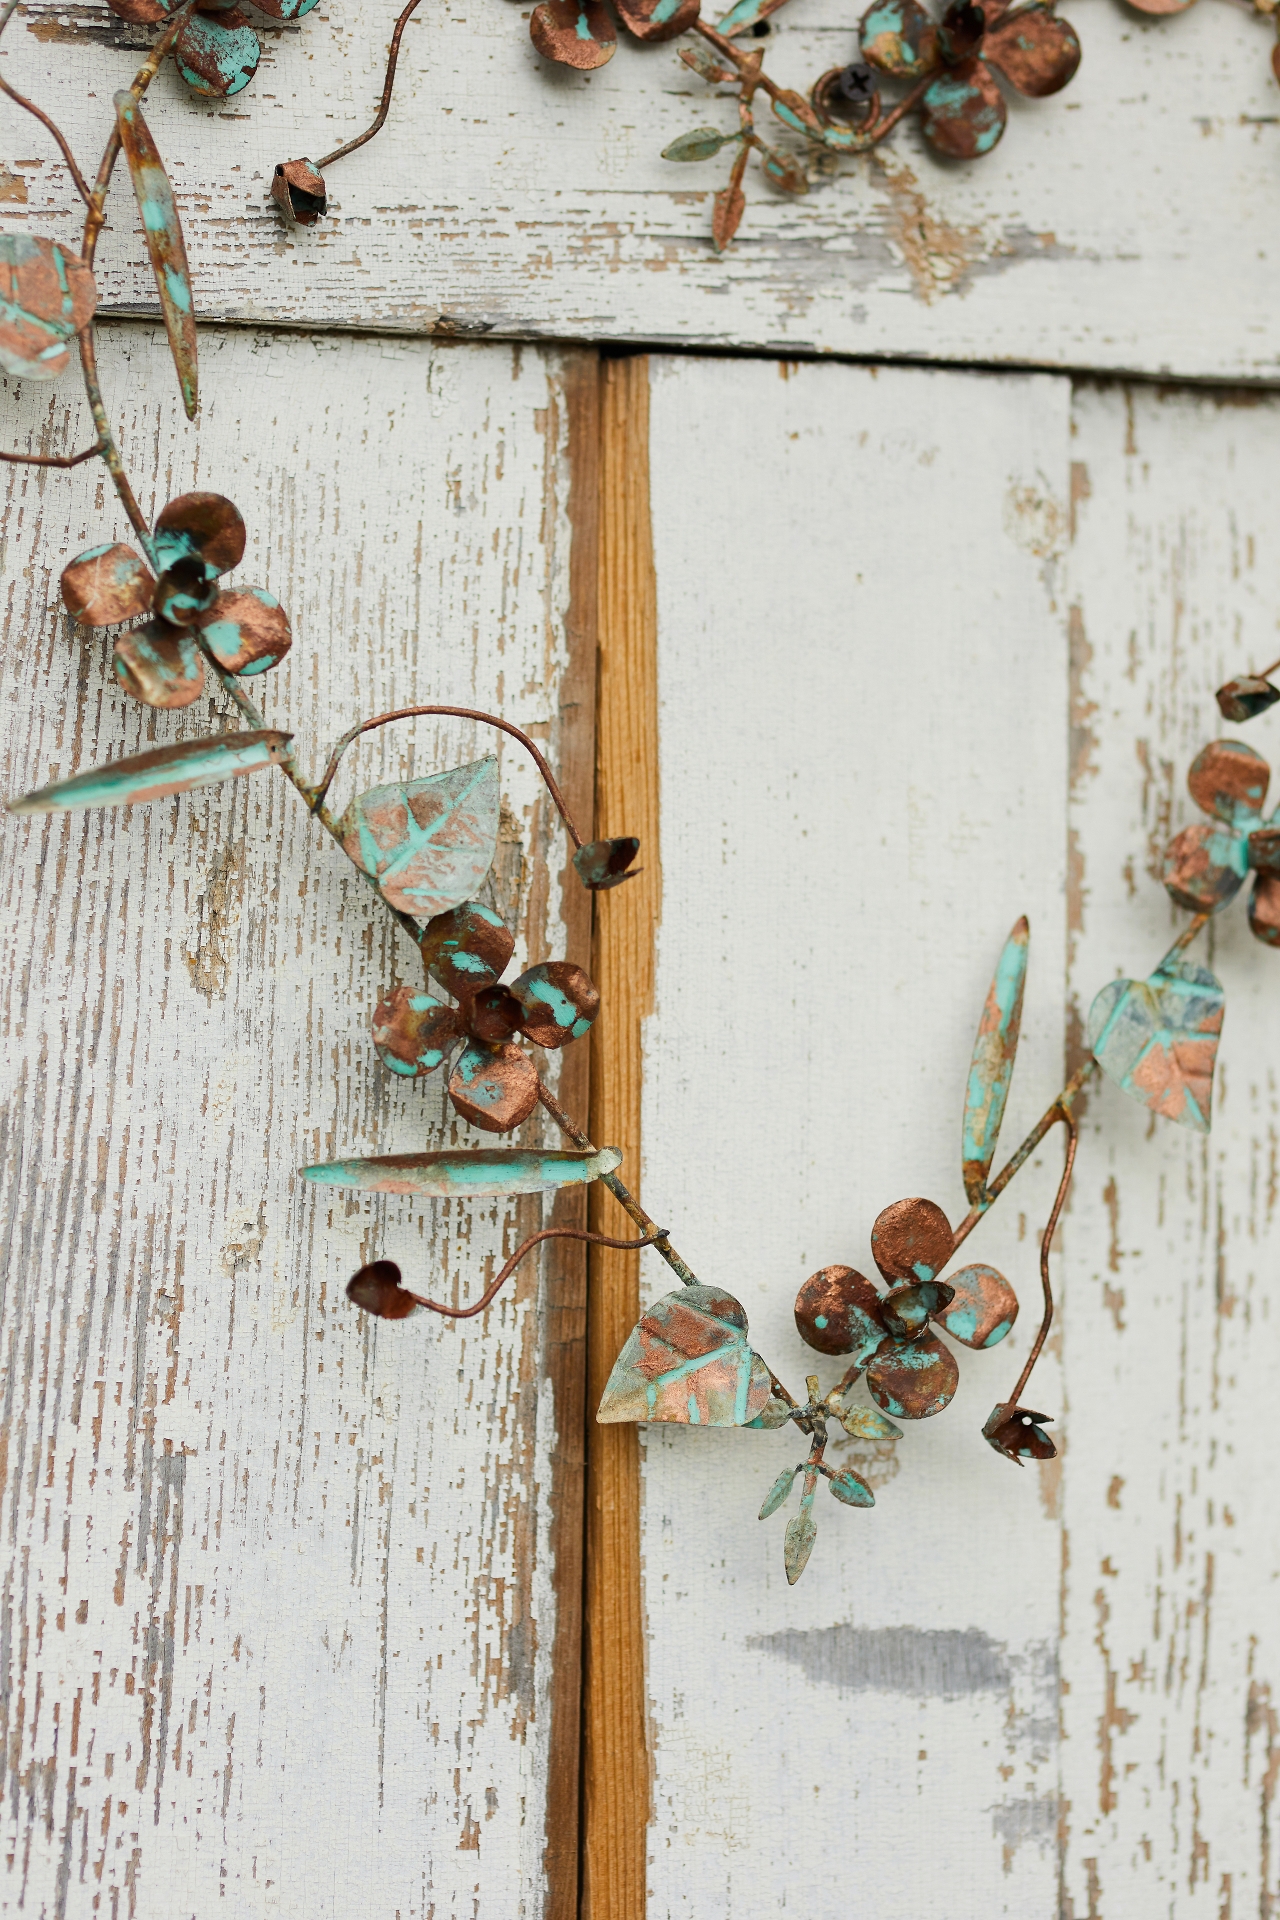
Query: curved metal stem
393,56
1046,1241
52,459
527,1246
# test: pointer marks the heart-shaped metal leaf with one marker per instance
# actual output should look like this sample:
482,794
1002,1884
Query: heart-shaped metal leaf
428,843
1158,1039
688,1361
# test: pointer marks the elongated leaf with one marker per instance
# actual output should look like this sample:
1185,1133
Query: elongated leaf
702,144
428,843
746,14
166,770
443,1176
688,1361
163,230
802,1531
991,1070
779,1491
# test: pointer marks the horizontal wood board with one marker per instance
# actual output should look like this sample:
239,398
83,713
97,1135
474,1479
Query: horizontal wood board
862,707
1125,224
1171,1338
277,1607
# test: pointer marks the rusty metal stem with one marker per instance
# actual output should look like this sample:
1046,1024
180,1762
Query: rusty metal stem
393,56
1046,1241
52,459
527,1246
20,99
625,1200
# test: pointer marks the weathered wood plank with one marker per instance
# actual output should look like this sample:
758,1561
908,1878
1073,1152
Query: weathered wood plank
1120,225
1171,1652
862,691
277,1605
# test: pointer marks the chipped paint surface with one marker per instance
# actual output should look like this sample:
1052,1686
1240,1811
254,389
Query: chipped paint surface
275,1594
501,198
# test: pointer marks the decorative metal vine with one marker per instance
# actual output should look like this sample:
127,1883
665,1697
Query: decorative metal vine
425,846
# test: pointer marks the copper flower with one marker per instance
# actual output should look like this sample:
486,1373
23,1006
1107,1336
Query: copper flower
581,33
1206,864
494,1084
217,50
197,537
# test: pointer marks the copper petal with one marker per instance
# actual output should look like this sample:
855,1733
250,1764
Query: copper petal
106,585
1264,908
657,19
159,665
376,1289
218,57
1205,866
559,1002
412,1032
983,1308
573,33
911,1240
838,1311
1247,696
907,1309
47,295
1035,51
494,1088
1230,780
466,948
913,1381
246,630
284,9
1264,849
899,37
205,523
963,111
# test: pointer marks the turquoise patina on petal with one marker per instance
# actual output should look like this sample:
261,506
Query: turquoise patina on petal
446,1175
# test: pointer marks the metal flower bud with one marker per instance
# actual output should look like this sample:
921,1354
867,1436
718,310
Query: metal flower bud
298,190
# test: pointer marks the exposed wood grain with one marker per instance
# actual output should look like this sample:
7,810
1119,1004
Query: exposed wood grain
277,1606
862,688
1122,224
616,1760
1171,1632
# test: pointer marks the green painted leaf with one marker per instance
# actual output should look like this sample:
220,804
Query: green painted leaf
779,1491
852,1489
991,1070
166,770
702,144
428,843
447,1175
165,245
802,1531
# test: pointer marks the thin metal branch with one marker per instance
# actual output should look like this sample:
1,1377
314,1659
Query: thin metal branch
52,459
393,56
527,1246
20,99
1046,1241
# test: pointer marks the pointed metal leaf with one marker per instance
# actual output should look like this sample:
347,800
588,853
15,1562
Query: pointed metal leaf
991,1070
165,245
802,1531
166,770
778,1491
852,1489
428,843
448,1175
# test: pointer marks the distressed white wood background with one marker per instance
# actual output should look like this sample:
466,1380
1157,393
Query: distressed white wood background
1127,223
996,1676
276,1607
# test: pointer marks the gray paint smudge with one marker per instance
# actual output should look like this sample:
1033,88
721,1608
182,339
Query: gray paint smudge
947,1661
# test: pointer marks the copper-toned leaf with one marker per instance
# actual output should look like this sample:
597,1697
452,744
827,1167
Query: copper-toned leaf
413,1031
217,55
456,1174
1035,51
1229,780
47,295
1264,909
559,1002
838,1311
801,1533
914,1381
494,1087
466,948
911,1240
785,171
159,665
706,64
376,1289
1205,865
983,1307
1247,696
688,1361
907,1309
299,191
1018,1433
657,19
573,33
778,1492
163,231
428,843
205,525
730,205
852,1489
607,863
246,630
154,775
106,585
991,1069
963,112
899,37
868,1423
1158,1039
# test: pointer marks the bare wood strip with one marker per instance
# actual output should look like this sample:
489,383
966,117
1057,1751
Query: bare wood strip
615,1760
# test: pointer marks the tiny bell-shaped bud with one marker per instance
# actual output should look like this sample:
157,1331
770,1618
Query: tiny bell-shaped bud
299,192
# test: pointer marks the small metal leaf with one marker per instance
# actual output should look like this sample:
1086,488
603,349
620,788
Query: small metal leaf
165,245
155,775
852,1489
702,144
776,1414
868,1423
802,1531
745,15
428,843
705,63
779,1491
730,205
451,1174
991,1070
